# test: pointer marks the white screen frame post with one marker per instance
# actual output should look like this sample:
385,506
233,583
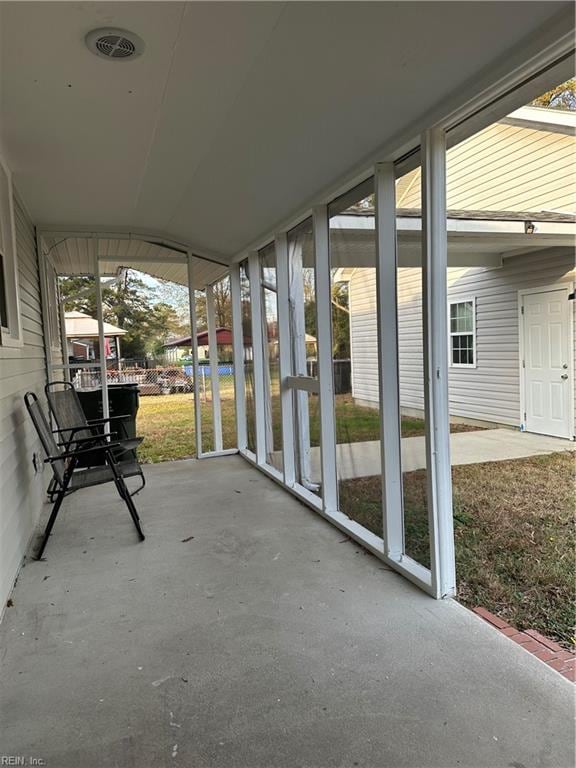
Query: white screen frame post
213,354
297,382
257,354
325,367
238,358
387,303
435,322
285,357
194,340
93,245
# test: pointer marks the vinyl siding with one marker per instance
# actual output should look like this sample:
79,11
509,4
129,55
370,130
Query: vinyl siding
504,168
489,392
363,335
21,369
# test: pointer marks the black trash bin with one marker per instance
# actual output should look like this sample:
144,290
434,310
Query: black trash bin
123,400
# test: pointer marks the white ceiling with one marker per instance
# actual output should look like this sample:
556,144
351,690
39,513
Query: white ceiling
236,114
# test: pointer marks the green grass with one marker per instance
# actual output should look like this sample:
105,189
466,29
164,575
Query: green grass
514,535
167,423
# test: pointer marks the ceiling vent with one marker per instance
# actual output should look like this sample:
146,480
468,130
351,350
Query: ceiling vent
117,44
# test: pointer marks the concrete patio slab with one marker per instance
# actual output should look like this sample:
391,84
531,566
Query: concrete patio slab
247,632
363,459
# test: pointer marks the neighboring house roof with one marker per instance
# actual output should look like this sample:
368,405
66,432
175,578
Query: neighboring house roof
308,340
81,326
416,213
223,337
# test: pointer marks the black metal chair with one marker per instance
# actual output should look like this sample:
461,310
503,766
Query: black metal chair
73,426
70,478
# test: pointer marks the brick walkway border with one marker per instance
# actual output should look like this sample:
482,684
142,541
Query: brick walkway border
538,645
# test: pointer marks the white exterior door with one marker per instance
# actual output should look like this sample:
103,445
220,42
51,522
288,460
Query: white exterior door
547,368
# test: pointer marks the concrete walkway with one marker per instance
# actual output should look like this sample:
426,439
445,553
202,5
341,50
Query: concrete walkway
247,632
363,459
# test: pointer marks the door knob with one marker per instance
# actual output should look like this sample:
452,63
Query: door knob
564,376
565,366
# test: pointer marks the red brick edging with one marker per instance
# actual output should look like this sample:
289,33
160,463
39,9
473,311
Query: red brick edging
542,647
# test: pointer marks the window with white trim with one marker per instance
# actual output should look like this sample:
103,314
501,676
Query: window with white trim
10,325
462,326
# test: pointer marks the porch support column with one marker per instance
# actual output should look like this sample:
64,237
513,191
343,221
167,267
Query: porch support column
238,357
257,355
285,357
435,302
387,303
42,268
325,366
213,353
101,339
194,340
117,345
62,330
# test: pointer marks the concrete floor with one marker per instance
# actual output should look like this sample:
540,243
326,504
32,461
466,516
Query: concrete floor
266,640
363,459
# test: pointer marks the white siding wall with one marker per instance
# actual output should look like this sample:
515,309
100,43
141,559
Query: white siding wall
22,369
489,392
364,335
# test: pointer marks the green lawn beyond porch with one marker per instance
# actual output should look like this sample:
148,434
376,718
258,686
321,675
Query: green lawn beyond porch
167,424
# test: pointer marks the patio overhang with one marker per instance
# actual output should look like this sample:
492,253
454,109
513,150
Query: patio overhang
73,253
205,176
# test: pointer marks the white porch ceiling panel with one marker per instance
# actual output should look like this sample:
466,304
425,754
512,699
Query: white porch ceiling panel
74,256
237,113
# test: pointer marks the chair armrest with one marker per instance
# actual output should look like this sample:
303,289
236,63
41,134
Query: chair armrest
75,428
96,422
130,443
79,440
82,452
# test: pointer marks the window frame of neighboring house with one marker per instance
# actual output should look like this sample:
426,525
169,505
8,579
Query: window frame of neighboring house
453,334
11,322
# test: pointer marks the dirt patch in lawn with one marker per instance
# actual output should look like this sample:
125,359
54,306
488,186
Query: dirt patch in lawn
414,427
514,533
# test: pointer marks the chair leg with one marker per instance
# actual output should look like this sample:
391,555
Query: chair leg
125,495
51,521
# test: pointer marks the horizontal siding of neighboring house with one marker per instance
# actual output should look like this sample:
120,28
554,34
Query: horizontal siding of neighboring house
489,392
364,335
21,369
504,168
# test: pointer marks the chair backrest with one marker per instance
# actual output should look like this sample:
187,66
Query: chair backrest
67,409
45,434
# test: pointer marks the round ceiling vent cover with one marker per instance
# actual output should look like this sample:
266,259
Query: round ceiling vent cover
118,44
